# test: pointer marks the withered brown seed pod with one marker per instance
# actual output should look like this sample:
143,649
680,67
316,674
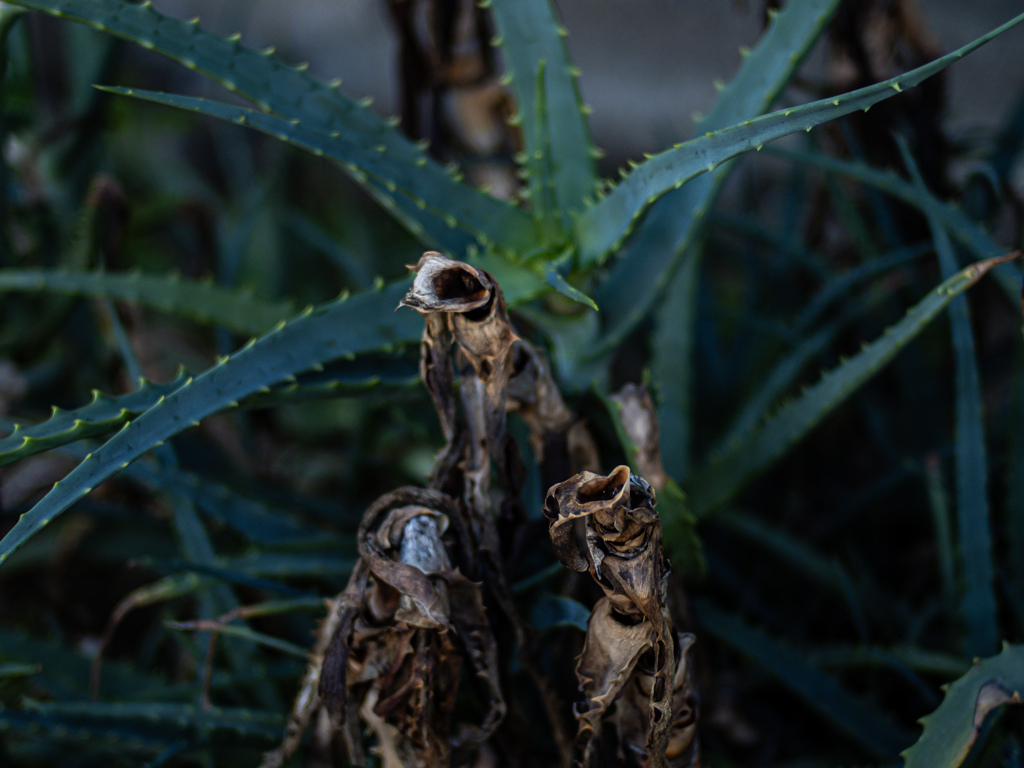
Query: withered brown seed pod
607,525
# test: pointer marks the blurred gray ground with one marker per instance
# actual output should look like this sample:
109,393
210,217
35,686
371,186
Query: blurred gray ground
647,65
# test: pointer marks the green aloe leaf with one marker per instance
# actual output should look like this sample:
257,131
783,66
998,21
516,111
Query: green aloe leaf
727,473
459,205
66,671
604,225
180,718
294,95
108,413
345,327
776,382
671,230
100,417
235,309
282,565
850,714
955,221
558,153
553,611
951,729
259,522
974,528
1015,490
671,353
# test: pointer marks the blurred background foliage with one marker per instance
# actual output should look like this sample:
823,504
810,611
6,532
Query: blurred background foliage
831,598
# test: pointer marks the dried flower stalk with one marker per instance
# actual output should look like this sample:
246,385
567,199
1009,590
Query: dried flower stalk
467,302
562,444
391,649
459,300
608,526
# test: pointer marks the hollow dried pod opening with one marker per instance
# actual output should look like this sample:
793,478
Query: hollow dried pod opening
473,302
592,517
445,285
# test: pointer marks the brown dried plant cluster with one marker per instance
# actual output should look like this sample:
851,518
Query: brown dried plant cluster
416,652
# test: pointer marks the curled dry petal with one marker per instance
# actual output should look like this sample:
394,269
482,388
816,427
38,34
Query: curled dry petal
615,519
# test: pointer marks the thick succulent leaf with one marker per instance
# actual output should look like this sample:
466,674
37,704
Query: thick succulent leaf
601,227
245,634
422,182
652,256
974,529
552,611
913,658
671,369
182,719
20,670
965,231
559,156
236,310
726,473
109,413
334,330
1015,492
951,729
100,417
777,381
294,95
257,521
286,565
855,717
555,279
65,671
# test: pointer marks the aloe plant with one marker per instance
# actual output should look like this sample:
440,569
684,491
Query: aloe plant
625,255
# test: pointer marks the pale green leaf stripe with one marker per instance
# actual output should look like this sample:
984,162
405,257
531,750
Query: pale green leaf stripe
236,310
345,327
951,729
291,93
728,472
606,223
974,532
546,90
822,692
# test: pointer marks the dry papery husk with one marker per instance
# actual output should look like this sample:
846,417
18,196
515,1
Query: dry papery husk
464,306
457,298
607,525
409,622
